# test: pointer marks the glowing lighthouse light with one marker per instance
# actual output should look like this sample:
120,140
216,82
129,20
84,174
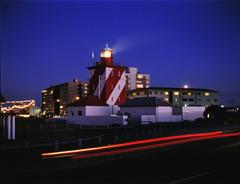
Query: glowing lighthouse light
107,52
106,55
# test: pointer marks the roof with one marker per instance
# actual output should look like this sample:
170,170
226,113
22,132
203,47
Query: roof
174,88
107,48
145,102
88,101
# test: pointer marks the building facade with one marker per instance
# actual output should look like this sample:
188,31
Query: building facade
178,96
56,98
135,80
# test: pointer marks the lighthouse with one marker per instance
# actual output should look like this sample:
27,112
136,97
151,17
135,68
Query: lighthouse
107,80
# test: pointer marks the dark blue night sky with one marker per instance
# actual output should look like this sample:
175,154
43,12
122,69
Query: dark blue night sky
46,43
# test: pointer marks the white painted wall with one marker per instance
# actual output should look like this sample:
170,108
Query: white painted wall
98,110
90,110
163,114
146,119
137,112
192,113
97,120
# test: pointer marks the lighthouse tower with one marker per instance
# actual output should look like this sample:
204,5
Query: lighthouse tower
107,80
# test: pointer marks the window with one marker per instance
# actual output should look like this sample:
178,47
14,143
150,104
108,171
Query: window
150,92
166,93
138,93
190,99
190,94
72,113
184,93
79,113
156,92
176,93
184,99
119,86
215,100
119,73
207,94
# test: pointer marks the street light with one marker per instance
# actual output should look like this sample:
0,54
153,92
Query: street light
185,86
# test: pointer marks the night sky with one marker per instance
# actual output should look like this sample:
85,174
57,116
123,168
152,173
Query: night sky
45,43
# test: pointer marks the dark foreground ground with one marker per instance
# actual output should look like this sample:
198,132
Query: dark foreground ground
206,161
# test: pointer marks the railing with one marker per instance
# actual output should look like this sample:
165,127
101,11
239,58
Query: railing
136,133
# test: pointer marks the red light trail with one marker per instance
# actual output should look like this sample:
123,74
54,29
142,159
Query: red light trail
126,145
161,145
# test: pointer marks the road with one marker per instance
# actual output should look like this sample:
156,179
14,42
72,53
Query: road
212,158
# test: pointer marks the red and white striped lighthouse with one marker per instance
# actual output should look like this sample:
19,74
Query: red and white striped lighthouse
107,81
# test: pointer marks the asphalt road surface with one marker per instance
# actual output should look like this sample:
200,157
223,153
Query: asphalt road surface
195,159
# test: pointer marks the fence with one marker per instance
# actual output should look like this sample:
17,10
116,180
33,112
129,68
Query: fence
132,134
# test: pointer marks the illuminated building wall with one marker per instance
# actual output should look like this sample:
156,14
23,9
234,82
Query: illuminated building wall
179,96
107,80
136,80
56,98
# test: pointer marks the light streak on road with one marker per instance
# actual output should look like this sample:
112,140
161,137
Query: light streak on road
160,145
124,145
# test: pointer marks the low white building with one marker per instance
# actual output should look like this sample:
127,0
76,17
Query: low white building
152,109
93,111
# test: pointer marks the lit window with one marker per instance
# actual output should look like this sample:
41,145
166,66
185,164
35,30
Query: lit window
166,93
176,93
166,99
139,85
207,94
189,94
139,76
134,94
61,107
176,100
58,100
77,97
